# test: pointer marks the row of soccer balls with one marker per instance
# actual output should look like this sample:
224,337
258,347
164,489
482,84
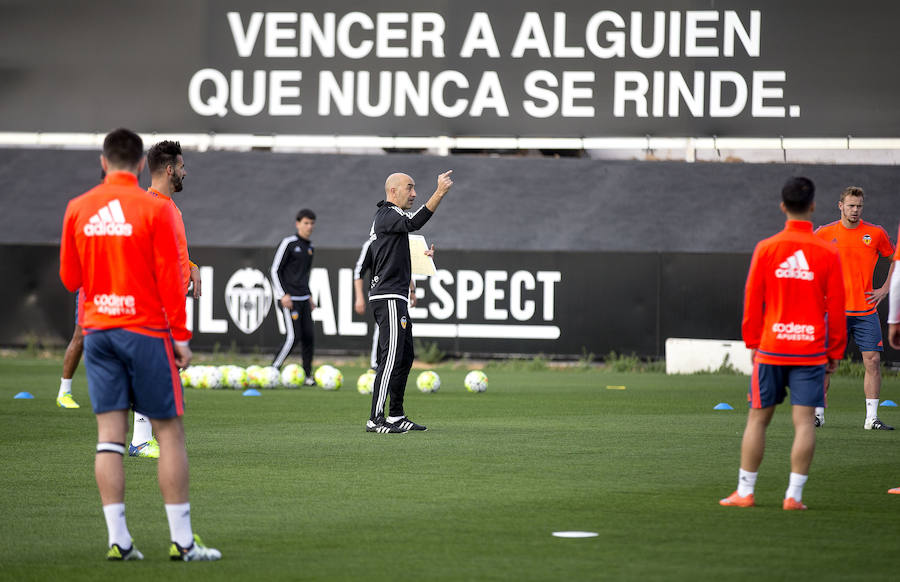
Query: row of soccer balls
326,377
238,378
428,381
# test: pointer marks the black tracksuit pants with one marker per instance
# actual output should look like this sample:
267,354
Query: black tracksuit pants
395,355
298,327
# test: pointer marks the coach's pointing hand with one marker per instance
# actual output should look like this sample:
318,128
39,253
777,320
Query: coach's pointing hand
444,182
443,186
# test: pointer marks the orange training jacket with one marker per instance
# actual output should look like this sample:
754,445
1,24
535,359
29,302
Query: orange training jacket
120,246
181,235
795,280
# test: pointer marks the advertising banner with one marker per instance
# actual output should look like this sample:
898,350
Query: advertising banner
477,303
570,68
555,304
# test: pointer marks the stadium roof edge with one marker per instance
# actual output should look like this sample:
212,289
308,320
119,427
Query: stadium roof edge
443,144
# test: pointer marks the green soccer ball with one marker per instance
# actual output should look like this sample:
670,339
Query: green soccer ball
328,377
292,376
366,382
428,382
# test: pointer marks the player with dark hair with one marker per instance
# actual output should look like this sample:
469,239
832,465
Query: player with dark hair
120,247
859,244
167,172
795,327
389,295
290,282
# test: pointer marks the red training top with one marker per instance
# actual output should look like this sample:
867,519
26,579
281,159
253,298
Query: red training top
183,259
795,280
859,249
120,246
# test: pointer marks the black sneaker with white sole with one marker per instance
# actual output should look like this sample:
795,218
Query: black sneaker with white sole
876,424
381,426
406,423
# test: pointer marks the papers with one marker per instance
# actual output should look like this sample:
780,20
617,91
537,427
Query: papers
421,263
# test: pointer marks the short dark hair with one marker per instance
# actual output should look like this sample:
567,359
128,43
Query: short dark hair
306,213
798,194
123,148
162,154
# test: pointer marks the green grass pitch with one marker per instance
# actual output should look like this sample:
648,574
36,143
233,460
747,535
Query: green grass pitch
290,487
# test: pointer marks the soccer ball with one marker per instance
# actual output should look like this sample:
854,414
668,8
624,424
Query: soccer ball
292,376
261,377
476,381
185,378
329,377
428,382
269,377
204,377
213,377
223,376
195,376
252,372
235,377
366,382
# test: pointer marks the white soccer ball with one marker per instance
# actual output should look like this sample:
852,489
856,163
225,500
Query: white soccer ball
235,377
195,376
199,377
213,377
428,382
476,381
292,376
329,377
366,382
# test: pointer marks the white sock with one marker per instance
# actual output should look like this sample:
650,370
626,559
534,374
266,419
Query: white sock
746,482
871,408
143,430
116,526
179,515
820,411
795,486
65,386
394,418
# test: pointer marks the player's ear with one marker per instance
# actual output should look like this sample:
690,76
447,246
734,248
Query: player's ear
104,164
782,207
812,206
140,166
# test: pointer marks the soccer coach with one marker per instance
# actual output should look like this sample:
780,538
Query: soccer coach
389,295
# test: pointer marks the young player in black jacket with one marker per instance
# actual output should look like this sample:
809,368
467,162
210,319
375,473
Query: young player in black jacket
290,285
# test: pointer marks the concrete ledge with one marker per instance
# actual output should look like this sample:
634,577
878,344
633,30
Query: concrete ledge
687,356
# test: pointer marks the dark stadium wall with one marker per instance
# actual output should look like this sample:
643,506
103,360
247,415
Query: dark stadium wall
535,256
249,199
